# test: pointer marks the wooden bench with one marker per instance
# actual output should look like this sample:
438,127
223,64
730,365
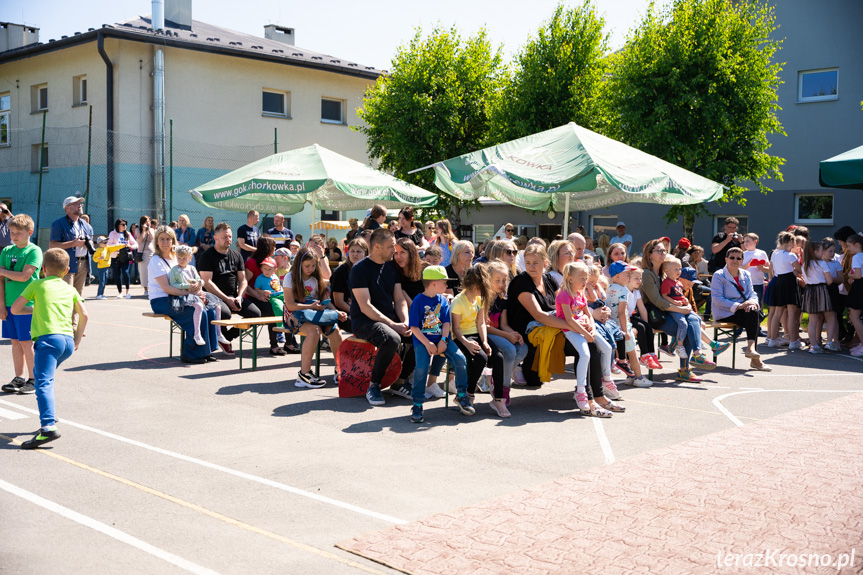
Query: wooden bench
174,328
248,326
724,328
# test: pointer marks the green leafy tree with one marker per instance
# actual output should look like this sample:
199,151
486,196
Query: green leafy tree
557,76
696,86
433,105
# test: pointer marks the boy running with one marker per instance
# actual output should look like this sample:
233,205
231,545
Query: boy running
53,304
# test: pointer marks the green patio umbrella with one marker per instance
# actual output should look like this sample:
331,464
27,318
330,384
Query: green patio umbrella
843,171
284,182
570,167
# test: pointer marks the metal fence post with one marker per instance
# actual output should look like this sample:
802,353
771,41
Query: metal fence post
171,173
41,169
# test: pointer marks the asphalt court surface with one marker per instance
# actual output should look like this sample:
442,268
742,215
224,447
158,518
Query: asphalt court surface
169,468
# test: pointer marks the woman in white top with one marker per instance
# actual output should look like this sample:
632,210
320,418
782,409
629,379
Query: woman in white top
144,237
160,289
786,293
816,297
121,258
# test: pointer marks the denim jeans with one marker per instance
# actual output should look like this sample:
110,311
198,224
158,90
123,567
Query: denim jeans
102,274
49,352
680,321
421,371
512,355
185,319
693,332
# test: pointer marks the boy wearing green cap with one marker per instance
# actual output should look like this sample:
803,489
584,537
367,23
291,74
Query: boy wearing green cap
429,320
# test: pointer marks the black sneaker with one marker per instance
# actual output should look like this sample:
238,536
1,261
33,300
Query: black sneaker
624,366
210,359
309,379
28,387
14,385
41,438
417,414
402,390
374,394
463,403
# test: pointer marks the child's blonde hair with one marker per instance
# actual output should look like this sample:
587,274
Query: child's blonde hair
497,267
670,260
185,251
55,262
573,269
21,222
603,281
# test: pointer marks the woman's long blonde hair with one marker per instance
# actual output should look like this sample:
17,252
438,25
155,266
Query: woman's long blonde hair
447,233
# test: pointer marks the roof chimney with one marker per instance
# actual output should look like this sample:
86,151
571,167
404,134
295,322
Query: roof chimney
17,35
158,15
279,34
178,14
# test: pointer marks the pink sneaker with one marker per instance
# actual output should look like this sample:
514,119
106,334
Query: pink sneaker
583,403
609,389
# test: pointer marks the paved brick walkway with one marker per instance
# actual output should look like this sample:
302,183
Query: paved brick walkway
793,483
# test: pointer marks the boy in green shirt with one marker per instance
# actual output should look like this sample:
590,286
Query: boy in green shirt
53,303
19,266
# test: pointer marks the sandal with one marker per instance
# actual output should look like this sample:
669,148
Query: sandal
758,365
614,407
752,354
277,351
597,412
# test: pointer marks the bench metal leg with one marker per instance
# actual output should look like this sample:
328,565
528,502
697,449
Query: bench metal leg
255,330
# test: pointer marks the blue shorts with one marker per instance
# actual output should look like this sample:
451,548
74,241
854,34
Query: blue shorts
17,327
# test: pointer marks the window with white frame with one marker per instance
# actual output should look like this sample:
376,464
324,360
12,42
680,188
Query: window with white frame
34,158
482,233
79,90
332,111
330,216
603,224
276,103
719,224
818,85
39,98
813,209
5,111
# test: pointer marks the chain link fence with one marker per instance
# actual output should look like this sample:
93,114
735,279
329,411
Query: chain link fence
75,162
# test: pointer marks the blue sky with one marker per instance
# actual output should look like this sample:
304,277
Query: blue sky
366,32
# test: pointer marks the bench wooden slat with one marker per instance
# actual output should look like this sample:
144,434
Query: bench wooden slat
156,315
248,321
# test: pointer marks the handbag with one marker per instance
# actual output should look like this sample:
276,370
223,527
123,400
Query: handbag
139,257
761,314
655,317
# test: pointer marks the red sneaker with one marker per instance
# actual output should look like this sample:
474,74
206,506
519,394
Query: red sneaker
653,362
226,347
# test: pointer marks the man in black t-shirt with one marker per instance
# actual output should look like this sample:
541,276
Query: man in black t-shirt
379,312
224,275
722,242
248,234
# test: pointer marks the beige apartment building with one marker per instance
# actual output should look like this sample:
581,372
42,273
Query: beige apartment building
231,98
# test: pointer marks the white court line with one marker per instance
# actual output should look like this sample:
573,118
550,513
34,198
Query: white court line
718,400
228,470
106,530
603,440
5,413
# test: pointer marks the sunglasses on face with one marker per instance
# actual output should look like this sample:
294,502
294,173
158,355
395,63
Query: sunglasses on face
510,252
735,259
660,251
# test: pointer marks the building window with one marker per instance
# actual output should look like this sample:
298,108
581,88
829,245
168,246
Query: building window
5,107
603,225
275,103
813,209
79,90
39,98
719,224
818,85
34,158
332,111
482,233
330,216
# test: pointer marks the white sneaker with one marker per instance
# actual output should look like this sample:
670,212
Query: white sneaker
681,352
796,344
641,381
200,340
434,391
221,338
774,343
816,349
101,297
518,376
119,296
128,296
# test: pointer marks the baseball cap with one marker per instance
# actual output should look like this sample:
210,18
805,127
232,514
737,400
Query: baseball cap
434,273
283,252
295,243
72,200
684,243
690,274
619,267
101,239
620,224
269,262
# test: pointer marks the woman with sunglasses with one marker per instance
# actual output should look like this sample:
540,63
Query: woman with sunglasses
654,253
734,300
120,259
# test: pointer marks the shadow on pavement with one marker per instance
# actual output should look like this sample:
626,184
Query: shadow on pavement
139,364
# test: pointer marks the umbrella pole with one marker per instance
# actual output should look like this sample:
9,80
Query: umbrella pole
566,216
